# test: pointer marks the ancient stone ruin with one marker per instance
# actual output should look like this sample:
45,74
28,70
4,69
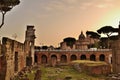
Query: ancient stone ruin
14,56
116,54
115,59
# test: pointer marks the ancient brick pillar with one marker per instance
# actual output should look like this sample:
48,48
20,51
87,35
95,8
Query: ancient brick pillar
29,44
116,56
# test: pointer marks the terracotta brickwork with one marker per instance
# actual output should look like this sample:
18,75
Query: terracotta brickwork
103,69
62,56
99,70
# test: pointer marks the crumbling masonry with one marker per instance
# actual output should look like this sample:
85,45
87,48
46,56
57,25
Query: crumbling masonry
116,54
14,56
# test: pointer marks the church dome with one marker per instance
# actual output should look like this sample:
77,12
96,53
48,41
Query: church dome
81,36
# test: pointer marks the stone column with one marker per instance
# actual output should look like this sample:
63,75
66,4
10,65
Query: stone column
116,56
29,41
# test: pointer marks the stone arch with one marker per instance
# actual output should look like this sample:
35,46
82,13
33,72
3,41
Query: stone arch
92,57
83,57
102,57
73,57
53,60
63,59
43,59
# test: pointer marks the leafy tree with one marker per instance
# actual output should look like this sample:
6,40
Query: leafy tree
115,37
45,47
5,6
104,42
107,30
93,34
70,41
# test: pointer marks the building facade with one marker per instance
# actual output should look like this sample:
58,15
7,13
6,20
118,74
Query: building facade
82,43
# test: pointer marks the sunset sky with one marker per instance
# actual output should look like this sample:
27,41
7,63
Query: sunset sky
58,19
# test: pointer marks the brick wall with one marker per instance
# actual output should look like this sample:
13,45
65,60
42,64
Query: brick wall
13,58
68,55
93,70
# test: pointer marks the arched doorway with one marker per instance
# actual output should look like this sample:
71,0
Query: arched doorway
35,58
43,59
63,59
83,57
102,57
73,57
92,57
53,60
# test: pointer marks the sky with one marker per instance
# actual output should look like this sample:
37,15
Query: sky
55,20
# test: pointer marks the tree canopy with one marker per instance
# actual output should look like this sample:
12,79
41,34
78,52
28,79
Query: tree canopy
108,30
5,6
45,47
69,41
93,34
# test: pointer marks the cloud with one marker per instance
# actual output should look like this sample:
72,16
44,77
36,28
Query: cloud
67,5
103,5
54,5
86,5
71,1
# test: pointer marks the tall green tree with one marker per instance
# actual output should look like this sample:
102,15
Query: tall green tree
5,6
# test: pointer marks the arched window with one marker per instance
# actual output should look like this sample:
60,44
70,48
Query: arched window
63,59
73,57
44,59
53,60
102,57
92,57
83,57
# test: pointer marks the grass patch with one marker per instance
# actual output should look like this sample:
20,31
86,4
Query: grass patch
53,73
90,63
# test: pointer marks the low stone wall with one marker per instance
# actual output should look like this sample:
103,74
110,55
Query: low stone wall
98,70
92,70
